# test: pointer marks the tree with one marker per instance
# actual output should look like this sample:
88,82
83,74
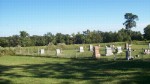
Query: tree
14,40
130,20
147,32
49,38
60,38
25,39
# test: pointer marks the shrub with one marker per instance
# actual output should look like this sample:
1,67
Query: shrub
6,51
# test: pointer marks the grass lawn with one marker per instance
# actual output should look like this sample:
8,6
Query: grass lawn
43,70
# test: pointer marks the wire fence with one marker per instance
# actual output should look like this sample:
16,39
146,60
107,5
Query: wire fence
75,53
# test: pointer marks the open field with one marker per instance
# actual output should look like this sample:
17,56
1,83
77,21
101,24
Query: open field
73,67
42,70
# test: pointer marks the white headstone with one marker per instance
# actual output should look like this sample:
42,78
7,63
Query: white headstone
42,51
81,49
119,49
149,45
146,51
58,51
91,47
108,51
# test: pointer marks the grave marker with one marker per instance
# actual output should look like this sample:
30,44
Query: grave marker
58,52
119,49
42,51
81,49
147,51
126,46
108,51
91,48
96,53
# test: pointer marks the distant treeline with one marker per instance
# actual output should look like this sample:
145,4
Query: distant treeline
86,37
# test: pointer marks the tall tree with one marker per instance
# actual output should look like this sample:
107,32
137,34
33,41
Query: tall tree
25,39
130,20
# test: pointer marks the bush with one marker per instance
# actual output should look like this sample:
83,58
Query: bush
6,51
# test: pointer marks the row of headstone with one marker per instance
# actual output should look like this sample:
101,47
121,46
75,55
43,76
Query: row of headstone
109,50
81,49
58,51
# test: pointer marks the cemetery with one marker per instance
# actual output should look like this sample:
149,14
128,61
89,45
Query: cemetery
89,60
74,42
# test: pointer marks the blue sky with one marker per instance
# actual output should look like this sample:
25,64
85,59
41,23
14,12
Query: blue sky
38,17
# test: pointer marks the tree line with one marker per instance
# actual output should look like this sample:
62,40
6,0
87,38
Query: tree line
85,37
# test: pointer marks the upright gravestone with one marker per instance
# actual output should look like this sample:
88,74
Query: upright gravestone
91,48
126,46
58,52
119,49
42,51
128,53
147,51
81,49
108,51
96,53
149,45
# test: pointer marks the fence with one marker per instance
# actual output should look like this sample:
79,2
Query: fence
74,53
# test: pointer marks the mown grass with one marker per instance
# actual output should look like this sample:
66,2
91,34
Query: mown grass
73,67
42,70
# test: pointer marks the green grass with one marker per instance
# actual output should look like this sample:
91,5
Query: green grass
43,70
73,67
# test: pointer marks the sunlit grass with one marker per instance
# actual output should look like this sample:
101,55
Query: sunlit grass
41,70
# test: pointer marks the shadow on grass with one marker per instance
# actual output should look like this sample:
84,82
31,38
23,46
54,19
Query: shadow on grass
2,69
92,71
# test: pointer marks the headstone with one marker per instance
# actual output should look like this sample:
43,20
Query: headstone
96,53
91,48
147,51
108,51
42,51
126,46
58,51
119,49
149,45
128,53
81,49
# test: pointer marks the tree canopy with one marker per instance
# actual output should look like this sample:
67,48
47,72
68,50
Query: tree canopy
130,20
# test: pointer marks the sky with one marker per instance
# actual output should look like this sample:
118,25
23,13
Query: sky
37,17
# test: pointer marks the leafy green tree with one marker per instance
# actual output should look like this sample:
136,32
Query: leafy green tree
60,38
49,38
14,40
130,20
130,23
4,42
79,38
25,39
147,32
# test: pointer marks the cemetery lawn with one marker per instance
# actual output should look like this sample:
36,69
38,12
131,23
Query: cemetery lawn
42,70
